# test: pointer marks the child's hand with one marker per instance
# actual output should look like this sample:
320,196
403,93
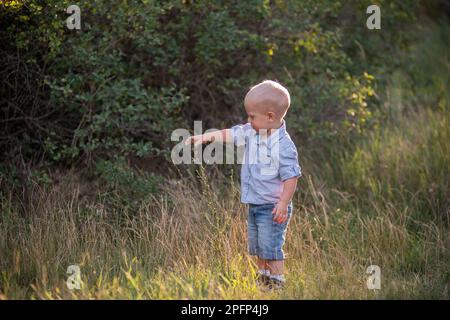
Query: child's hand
196,140
280,212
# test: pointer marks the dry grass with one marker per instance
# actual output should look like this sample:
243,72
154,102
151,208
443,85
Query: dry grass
189,241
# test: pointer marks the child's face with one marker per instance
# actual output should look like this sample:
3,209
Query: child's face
258,118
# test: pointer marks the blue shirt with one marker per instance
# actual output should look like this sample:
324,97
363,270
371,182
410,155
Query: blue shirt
267,162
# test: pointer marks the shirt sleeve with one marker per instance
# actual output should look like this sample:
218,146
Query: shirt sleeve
239,132
289,165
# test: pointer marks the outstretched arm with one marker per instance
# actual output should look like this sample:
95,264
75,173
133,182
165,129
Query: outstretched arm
219,136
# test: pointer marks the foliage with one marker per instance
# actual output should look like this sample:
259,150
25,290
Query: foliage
139,69
122,187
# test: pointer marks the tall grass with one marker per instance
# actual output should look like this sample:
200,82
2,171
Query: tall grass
386,203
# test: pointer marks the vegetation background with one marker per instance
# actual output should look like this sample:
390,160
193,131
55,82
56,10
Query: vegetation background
85,170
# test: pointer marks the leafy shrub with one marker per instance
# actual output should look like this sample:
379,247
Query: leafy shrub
121,186
139,69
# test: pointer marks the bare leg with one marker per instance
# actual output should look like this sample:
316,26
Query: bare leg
276,267
262,264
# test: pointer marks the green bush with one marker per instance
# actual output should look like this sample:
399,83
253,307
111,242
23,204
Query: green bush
121,187
139,69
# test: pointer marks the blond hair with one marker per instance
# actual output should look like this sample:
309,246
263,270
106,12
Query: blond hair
270,96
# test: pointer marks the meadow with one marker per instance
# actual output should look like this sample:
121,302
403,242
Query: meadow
189,242
370,118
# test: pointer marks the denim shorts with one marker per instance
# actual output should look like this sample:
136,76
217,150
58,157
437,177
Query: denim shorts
266,237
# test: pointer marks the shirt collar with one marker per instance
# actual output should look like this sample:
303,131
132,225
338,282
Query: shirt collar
278,133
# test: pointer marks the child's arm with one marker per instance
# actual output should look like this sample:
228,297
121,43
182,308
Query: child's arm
219,136
280,210
290,171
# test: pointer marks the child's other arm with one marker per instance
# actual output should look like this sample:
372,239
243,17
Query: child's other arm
218,136
280,210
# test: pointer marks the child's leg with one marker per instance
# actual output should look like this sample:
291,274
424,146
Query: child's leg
276,267
262,264
263,276
252,227
276,278
270,241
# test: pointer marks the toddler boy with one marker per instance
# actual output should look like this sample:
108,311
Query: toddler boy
268,175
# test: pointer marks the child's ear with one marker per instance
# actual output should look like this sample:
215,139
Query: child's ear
271,116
